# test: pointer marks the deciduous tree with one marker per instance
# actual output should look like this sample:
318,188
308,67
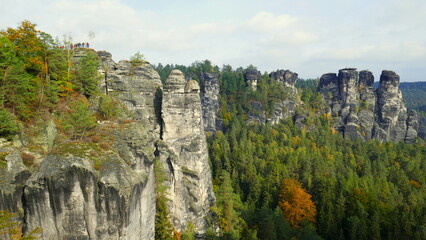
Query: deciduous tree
296,203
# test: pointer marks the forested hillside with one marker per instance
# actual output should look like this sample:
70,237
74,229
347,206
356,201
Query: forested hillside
285,181
415,95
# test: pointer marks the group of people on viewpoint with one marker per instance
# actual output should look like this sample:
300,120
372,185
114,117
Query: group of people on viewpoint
77,45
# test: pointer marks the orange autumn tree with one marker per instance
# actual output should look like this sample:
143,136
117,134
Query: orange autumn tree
29,46
296,203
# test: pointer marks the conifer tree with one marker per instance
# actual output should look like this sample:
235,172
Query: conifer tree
8,126
163,226
87,76
78,119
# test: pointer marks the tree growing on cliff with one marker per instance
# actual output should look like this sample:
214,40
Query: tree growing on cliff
8,127
78,119
163,226
137,59
87,76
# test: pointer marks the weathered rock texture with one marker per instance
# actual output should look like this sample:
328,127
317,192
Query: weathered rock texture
71,196
69,199
288,106
360,111
106,189
136,85
209,93
183,153
13,176
252,76
282,109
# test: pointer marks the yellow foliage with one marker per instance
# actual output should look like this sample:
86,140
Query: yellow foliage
295,140
415,184
296,203
177,235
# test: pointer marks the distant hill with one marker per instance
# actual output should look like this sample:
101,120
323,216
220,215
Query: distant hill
414,94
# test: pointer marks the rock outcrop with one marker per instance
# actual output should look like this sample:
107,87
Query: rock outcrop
183,153
287,107
287,77
252,76
209,94
71,199
360,111
104,188
14,174
282,109
83,192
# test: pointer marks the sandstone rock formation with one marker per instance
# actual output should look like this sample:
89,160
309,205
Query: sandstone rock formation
106,189
70,199
209,94
282,109
360,111
288,106
183,152
287,77
252,76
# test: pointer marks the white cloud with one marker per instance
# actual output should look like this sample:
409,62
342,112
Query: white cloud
269,22
281,31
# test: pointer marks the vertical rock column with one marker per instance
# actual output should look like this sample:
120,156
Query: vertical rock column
350,101
184,153
209,100
287,107
252,76
367,105
391,110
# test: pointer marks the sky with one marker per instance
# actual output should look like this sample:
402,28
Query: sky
310,37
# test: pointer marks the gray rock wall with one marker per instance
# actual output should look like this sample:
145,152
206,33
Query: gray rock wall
69,199
209,94
252,76
282,109
360,111
81,191
184,155
286,108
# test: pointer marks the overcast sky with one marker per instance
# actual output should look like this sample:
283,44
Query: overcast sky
310,37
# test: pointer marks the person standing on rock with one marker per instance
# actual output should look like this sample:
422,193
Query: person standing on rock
87,45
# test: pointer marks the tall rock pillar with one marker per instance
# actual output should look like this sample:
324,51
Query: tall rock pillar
184,155
391,111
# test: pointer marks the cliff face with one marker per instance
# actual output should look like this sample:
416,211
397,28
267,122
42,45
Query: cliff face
252,76
282,109
183,153
360,111
86,192
105,189
209,94
287,107
69,199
